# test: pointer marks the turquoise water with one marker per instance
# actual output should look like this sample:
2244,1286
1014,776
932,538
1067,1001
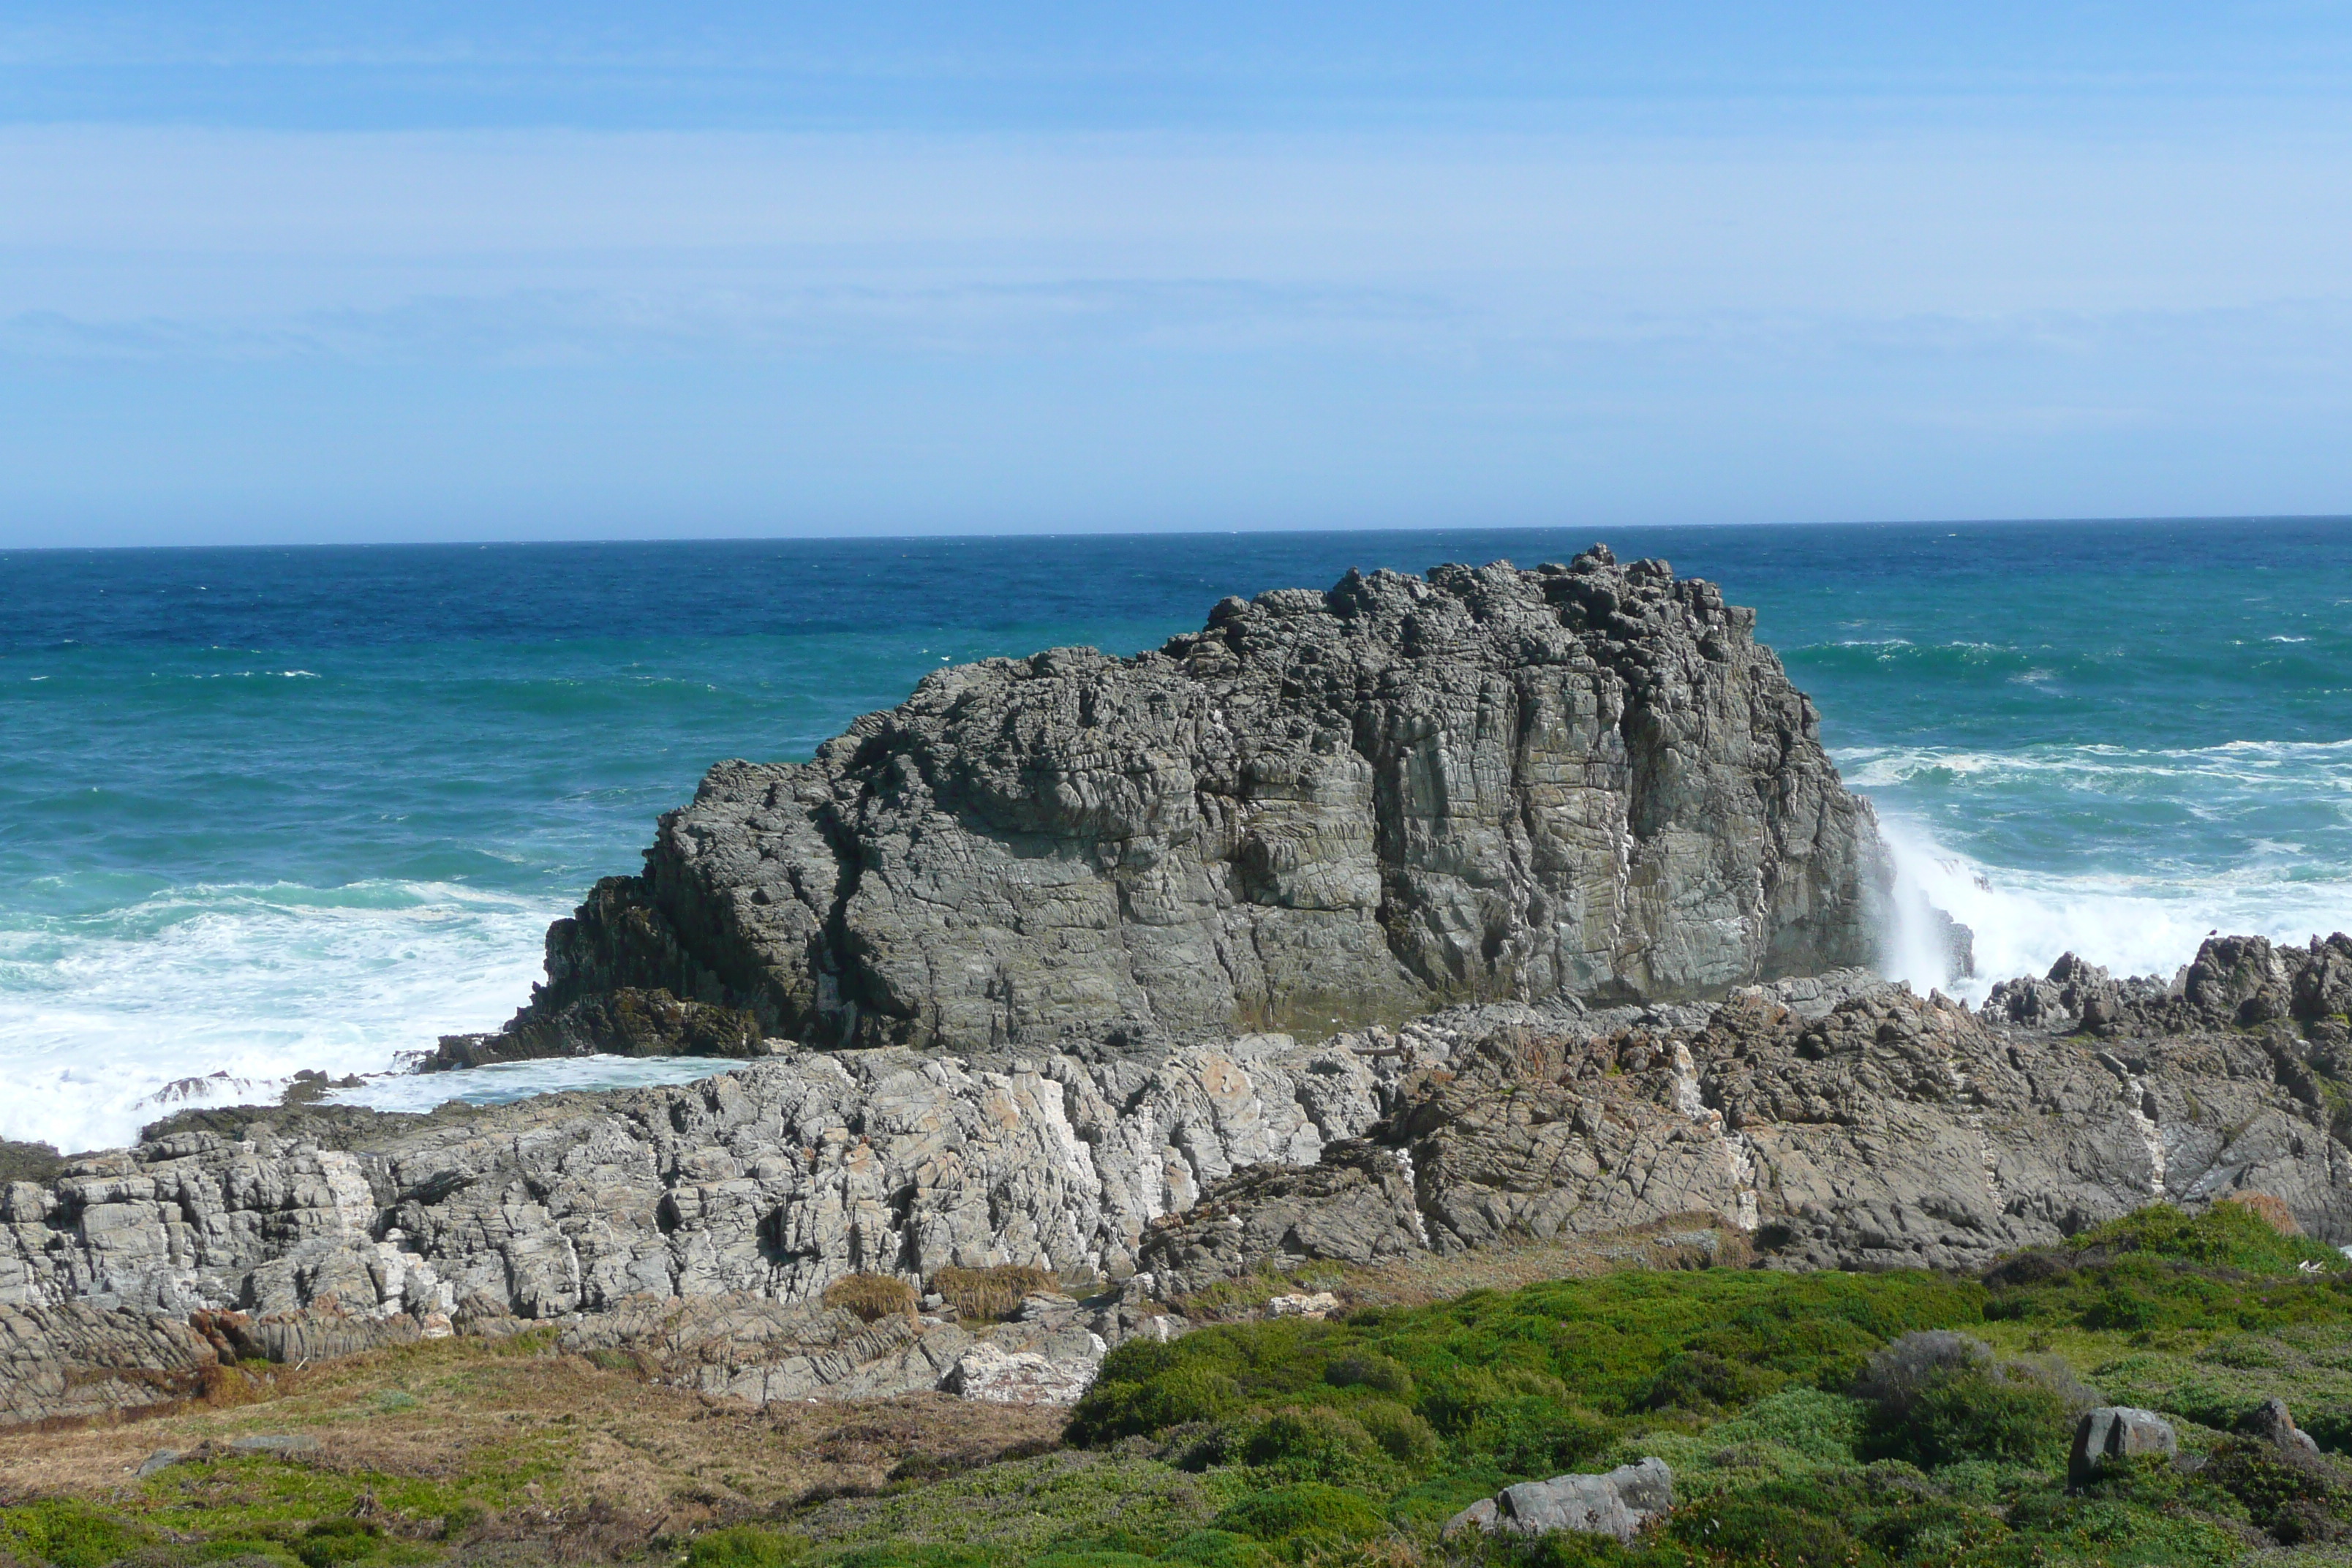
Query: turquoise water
270,809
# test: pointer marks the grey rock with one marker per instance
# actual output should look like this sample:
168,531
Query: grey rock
284,1444
2116,1432
161,1459
1616,1504
2234,982
1479,1515
1833,1119
2274,1424
307,1233
1325,809
624,1021
1856,1125
76,1360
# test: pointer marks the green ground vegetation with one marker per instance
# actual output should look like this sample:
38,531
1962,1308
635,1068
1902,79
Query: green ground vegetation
1837,1420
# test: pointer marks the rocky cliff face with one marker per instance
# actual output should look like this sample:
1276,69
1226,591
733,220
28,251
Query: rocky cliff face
1326,809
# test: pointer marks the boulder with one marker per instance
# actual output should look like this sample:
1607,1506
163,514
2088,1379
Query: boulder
2116,1432
997,1376
1616,1504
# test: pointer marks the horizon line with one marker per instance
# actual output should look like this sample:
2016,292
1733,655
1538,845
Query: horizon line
6,550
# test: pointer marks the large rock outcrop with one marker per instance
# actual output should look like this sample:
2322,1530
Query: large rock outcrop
1326,809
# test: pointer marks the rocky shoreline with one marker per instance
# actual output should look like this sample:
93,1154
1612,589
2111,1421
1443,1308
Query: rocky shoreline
1835,1121
1401,921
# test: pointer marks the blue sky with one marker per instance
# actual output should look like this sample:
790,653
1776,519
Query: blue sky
304,272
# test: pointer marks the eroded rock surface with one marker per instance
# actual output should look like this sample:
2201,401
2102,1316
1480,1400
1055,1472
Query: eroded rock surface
1325,809
1845,1123
1838,1120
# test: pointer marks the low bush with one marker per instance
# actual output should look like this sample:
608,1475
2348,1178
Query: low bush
1537,1435
1401,1434
1941,1398
66,1533
1763,1529
1703,1381
2237,1236
1311,1443
1310,1513
1370,1369
871,1297
1975,1414
331,1541
2271,1210
1181,1396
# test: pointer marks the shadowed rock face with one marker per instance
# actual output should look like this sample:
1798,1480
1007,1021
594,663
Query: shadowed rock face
1323,810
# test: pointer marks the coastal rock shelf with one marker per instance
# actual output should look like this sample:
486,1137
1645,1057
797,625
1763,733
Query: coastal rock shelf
1323,811
1839,1121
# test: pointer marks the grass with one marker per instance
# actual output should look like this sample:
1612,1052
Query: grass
1287,1441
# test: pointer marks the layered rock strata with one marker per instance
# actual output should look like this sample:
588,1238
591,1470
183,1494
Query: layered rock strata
1837,1121
1325,809
1849,1124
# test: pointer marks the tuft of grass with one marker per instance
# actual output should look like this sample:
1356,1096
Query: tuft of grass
991,1295
871,1297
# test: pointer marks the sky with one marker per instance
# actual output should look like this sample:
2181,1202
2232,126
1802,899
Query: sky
293,272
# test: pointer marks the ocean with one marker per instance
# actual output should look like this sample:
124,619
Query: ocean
271,809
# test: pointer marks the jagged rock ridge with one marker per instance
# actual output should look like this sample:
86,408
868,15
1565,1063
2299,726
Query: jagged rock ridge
1838,1120
1323,810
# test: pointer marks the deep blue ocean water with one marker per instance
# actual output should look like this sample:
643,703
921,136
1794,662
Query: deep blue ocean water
277,808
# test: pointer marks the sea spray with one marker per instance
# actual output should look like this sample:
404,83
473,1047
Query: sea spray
2024,918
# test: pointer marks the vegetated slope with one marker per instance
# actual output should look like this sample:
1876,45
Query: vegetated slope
1798,1437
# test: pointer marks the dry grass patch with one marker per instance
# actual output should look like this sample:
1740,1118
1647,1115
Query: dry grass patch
991,1295
871,1297
486,1442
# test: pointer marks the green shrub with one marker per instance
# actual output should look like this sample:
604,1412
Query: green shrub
1970,1413
1216,1549
1731,1336
1173,1398
1310,1445
2265,1482
1824,1427
334,1540
1401,1434
2227,1235
66,1533
1701,1380
744,1546
1537,1435
1765,1531
1381,1374
1309,1512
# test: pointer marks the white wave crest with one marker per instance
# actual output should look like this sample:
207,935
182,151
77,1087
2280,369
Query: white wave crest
217,995
2023,920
